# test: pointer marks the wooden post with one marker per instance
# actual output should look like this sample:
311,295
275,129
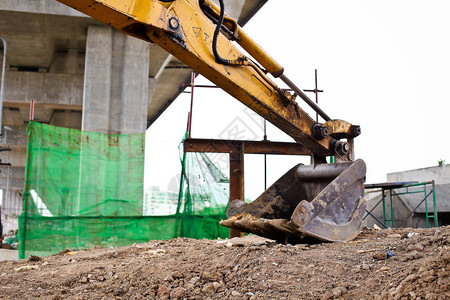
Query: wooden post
236,178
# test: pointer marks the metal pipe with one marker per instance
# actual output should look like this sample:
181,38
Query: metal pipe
317,94
320,171
392,208
426,204
302,95
3,81
373,209
436,222
373,216
202,86
383,196
192,103
163,66
414,210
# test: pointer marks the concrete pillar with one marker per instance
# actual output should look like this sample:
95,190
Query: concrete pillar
135,86
97,79
116,92
116,82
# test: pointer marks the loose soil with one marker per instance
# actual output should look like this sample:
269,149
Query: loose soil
243,268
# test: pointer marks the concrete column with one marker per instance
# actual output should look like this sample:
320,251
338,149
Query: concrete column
117,78
116,82
97,79
116,91
135,86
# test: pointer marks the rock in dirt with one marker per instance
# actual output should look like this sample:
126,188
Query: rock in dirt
415,247
381,255
163,291
34,258
394,236
26,268
208,289
169,278
339,291
178,293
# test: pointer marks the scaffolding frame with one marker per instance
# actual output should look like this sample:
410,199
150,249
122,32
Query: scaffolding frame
404,188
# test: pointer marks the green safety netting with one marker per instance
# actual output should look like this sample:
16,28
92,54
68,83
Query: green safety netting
203,197
85,189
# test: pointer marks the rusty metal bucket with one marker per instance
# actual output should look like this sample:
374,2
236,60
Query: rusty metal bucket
309,203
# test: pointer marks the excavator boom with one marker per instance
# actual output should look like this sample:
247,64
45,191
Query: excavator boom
185,29
199,34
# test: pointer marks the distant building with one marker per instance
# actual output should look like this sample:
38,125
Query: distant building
159,203
409,208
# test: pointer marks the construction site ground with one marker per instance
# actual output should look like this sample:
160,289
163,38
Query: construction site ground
379,264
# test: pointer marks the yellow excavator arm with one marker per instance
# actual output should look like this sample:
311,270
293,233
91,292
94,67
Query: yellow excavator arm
199,34
188,29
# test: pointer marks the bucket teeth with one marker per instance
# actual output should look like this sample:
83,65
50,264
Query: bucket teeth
308,203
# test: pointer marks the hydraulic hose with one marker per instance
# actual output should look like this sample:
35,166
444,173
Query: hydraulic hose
217,56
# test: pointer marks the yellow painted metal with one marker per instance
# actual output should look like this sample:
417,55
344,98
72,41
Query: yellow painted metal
181,28
259,54
340,128
246,42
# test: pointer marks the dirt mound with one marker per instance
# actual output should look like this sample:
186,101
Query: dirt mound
379,264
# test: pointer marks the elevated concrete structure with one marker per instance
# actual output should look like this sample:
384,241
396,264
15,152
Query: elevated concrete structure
82,74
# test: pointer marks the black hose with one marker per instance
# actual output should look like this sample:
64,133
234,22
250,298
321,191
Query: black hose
219,59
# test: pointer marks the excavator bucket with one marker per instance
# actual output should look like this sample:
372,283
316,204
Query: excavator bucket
307,204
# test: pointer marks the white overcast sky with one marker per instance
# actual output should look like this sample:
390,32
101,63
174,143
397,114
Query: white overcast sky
384,65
